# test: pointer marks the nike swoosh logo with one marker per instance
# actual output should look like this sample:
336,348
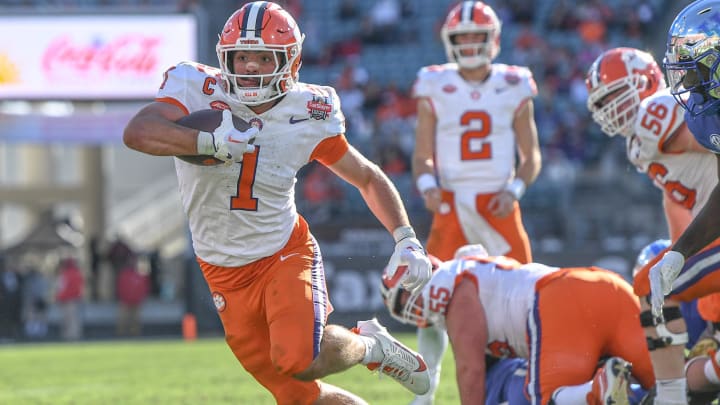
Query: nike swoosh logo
285,257
295,121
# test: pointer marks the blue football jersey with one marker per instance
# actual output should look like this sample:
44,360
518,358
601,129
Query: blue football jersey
705,127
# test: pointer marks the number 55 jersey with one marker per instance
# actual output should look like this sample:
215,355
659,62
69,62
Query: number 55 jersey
506,289
563,320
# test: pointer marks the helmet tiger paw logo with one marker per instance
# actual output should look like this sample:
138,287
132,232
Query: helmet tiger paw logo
9,73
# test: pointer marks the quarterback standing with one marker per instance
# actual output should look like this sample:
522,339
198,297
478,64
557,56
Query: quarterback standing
474,118
260,260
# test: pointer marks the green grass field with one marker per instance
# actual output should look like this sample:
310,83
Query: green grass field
165,372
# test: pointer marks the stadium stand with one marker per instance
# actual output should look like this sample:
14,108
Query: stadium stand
586,194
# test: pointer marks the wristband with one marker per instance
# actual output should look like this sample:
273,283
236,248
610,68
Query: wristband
205,143
425,182
516,188
403,232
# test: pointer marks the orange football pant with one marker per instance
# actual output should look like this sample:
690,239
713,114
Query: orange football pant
581,315
274,311
446,234
709,307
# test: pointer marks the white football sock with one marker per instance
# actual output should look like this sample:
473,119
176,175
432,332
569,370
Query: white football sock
432,343
572,394
671,392
373,351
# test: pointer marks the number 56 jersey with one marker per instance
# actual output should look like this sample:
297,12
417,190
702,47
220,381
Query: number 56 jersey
246,211
685,177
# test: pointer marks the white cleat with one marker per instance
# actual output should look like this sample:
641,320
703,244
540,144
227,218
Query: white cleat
399,362
610,384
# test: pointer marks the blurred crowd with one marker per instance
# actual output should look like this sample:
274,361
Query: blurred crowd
34,286
381,112
556,39
370,51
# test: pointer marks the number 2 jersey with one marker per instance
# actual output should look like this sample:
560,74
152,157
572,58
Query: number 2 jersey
686,177
246,211
474,139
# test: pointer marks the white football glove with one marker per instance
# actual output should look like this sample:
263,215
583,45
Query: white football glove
662,275
409,252
230,143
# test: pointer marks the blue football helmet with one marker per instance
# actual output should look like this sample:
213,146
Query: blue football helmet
649,252
692,57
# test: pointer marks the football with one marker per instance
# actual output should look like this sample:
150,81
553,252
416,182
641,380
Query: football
207,120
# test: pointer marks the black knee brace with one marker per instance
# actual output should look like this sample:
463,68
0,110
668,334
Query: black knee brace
665,337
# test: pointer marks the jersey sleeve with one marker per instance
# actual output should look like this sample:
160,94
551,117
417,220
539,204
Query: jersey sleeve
658,119
443,284
330,150
183,83
524,79
336,120
423,86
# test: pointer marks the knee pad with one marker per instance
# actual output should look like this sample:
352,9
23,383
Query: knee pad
665,337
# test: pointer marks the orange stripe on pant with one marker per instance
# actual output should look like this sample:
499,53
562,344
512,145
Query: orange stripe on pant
446,234
273,312
581,315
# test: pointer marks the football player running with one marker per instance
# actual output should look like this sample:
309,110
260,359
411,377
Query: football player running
627,96
473,118
563,321
260,260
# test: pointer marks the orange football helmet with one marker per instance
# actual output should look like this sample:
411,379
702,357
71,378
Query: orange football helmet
471,17
261,26
617,81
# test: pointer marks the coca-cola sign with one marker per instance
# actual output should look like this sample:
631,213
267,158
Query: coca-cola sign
91,57
127,55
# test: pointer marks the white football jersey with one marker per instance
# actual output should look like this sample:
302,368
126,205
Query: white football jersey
506,290
246,211
474,140
688,177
